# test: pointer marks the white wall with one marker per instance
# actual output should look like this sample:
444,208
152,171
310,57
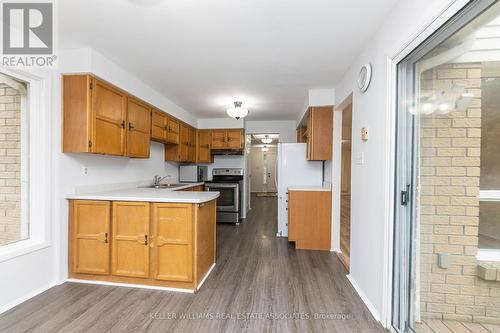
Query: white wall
226,122
285,128
407,26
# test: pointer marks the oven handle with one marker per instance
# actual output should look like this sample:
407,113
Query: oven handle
221,186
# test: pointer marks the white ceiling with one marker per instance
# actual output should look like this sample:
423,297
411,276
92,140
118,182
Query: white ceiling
204,54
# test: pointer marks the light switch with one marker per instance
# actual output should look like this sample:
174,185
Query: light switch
364,134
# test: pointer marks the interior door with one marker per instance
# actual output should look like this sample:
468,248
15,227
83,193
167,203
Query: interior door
130,239
270,173
172,242
109,109
89,230
139,129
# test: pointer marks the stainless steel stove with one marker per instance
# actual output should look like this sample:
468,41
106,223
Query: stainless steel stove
229,182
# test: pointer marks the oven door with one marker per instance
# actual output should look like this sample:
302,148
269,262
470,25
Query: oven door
229,200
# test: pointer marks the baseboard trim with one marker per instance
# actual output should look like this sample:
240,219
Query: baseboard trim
26,297
369,305
129,285
206,276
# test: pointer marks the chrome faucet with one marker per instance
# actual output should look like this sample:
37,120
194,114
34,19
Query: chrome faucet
157,180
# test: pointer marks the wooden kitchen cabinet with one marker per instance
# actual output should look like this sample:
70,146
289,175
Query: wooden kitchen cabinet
319,133
172,242
158,126
148,243
89,231
192,145
309,219
203,146
102,119
185,151
139,129
229,139
130,239
173,128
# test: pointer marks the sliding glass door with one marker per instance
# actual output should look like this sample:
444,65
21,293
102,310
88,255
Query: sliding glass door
447,227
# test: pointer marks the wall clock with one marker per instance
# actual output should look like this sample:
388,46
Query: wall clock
364,77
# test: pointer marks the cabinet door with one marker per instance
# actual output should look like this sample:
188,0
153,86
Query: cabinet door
204,154
172,242
89,233
109,109
184,144
234,139
130,251
139,129
192,145
218,139
173,129
158,126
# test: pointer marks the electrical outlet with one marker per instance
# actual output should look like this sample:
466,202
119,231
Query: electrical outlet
85,170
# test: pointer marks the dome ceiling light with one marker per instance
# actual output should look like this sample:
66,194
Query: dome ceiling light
237,112
267,140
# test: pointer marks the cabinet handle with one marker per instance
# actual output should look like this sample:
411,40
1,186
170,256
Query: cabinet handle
130,126
106,237
122,125
103,237
146,240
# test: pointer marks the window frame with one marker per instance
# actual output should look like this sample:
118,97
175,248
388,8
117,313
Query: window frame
40,194
488,254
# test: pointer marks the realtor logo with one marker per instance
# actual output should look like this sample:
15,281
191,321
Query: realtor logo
28,34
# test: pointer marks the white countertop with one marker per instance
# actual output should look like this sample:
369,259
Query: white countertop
324,188
150,195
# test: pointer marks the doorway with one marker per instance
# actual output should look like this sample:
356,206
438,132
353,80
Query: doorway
345,187
263,162
447,225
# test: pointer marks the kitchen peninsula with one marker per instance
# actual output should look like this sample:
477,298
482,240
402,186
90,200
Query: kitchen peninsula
143,236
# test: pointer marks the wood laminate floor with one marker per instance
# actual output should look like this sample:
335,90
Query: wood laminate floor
260,284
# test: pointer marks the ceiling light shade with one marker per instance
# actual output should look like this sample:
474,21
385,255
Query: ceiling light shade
237,112
267,140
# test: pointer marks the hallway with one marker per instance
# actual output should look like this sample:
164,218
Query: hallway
259,282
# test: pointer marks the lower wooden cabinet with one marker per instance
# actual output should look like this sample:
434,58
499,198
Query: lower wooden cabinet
130,239
310,219
172,242
89,236
160,244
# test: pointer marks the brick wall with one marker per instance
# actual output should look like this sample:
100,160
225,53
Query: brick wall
10,165
449,174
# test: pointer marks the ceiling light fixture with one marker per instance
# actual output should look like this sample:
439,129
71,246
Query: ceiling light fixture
267,140
237,112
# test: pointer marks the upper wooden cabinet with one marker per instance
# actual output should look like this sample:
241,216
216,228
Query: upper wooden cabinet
319,133
185,151
227,139
203,146
96,119
139,128
158,126
173,128
164,129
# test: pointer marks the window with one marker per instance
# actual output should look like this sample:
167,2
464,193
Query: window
14,225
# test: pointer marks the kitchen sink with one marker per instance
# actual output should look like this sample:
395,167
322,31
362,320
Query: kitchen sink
164,186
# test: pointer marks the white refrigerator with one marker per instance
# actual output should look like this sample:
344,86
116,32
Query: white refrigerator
293,169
